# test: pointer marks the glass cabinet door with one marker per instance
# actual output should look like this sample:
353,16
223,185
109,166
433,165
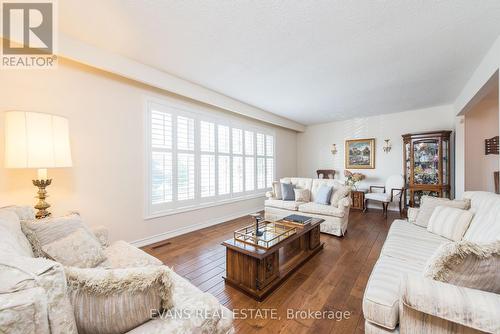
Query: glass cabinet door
426,162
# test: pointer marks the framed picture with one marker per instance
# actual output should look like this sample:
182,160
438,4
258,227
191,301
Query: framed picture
360,153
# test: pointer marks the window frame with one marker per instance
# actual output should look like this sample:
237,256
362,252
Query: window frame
176,109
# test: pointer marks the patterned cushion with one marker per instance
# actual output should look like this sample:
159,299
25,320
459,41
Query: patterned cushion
321,209
338,194
467,264
381,299
449,222
429,203
121,254
281,204
411,243
79,249
287,192
302,195
61,236
323,195
486,208
125,296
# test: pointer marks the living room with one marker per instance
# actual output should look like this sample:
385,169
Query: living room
317,167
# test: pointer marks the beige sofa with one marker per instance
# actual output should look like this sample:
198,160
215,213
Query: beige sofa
398,298
336,217
34,296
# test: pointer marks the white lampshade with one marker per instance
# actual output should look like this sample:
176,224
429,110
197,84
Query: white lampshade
36,140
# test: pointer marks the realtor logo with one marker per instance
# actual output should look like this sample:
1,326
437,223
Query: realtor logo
28,34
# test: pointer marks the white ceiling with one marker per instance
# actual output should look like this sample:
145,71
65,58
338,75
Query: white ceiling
311,61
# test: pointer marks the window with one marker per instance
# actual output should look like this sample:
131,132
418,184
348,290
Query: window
198,160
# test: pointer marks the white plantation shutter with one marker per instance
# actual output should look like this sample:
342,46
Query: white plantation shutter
161,177
249,174
223,138
224,175
185,133
261,173
238,185
207,175
207,136
185,176
196,161
249,143
237,141
269,172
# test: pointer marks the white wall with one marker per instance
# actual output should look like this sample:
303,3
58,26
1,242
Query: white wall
106,183
481,122
313,146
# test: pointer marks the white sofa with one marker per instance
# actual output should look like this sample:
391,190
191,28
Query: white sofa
34,297
336,217
398,298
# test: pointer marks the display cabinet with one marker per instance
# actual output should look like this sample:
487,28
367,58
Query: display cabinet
426,165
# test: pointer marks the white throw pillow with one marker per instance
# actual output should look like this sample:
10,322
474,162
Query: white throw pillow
429,203
277,190
338,194
302,195
449,222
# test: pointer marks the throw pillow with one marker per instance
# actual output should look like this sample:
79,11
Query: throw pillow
287,192
127,297
277,190
467,264
44,232
449,222
323,195
78,249
302,195
338,194
429,203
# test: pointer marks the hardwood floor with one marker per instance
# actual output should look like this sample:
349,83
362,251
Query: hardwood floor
334,280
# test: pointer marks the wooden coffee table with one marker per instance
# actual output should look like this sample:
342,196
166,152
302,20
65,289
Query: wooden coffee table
258,271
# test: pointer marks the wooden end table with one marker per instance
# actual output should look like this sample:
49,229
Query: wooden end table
257,271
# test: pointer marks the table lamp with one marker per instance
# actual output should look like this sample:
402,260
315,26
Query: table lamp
37,140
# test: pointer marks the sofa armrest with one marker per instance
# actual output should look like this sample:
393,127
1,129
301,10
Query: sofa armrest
24,311
270,195
345,202
102,234
426,304
412,214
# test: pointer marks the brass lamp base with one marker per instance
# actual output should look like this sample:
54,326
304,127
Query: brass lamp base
42,206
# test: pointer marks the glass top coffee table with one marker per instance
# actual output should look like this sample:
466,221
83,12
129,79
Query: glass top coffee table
257,265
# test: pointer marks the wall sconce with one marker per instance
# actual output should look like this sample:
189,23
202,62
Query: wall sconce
334,149
387,146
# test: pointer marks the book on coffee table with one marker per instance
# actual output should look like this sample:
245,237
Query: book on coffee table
297,220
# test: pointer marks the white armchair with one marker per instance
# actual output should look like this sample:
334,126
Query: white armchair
391,192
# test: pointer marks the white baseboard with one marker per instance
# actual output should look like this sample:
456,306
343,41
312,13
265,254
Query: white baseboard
183,230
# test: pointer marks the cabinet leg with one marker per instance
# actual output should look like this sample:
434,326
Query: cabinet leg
365,205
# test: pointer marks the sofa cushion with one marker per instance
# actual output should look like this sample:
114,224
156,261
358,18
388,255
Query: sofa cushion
277,190
79,249
381,298
381,197
485,226
193,311
338,194
323,195
12,239
121,254
450,223
281,204
126,296
429,203
287,192
316,184
467,264
302,195
321,209
298,182
411,243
